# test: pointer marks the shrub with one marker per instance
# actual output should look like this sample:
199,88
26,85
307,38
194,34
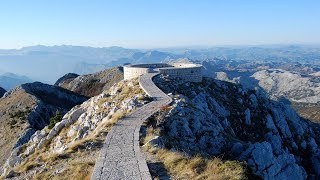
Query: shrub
57,118
22,115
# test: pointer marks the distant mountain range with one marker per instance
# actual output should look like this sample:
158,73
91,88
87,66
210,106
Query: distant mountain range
48,63
10,80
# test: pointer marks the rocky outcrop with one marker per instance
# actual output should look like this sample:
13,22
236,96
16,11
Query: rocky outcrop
92,84
28,108
66,79
267,164
216,118
2,91
50,99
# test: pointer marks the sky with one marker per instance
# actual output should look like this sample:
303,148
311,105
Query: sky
158,23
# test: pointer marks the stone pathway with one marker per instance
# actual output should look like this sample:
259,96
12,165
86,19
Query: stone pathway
120,157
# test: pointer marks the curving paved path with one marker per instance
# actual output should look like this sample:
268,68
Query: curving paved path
120,157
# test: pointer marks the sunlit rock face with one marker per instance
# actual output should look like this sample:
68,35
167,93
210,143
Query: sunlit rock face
222,119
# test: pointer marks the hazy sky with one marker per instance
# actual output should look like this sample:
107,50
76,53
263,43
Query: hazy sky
158,23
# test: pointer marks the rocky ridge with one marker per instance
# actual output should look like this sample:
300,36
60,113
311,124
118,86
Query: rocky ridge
92,84
28,108
216,118
66,79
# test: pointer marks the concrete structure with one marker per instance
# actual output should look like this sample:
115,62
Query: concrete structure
189,72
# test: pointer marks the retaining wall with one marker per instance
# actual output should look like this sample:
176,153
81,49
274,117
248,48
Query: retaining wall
133,72
190,72
193,74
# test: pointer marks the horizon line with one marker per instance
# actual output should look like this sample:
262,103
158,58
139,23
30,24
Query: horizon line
170,47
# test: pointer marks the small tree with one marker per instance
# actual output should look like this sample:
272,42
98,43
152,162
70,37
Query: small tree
57,118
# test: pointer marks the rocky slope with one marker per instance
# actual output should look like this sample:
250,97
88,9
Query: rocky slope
216,118
28,108
303,91
92,84
291,82
2,91
293,86
71,147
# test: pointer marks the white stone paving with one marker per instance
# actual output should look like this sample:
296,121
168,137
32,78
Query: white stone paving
120,157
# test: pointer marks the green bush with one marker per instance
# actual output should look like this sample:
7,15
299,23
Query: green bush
22,115
57,118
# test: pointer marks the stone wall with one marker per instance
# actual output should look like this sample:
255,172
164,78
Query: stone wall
152,66
133,72
190,72
193,74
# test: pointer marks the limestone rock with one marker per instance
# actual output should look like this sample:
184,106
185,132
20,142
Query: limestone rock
270,166
274,141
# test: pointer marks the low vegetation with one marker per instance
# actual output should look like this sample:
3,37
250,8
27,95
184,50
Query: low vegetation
181,166
20,114
76,170
54,120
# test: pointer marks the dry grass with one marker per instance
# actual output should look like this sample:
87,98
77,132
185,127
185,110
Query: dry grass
180,166
76,171
30,163
165,108
117,116
12,127
150,134
69,165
